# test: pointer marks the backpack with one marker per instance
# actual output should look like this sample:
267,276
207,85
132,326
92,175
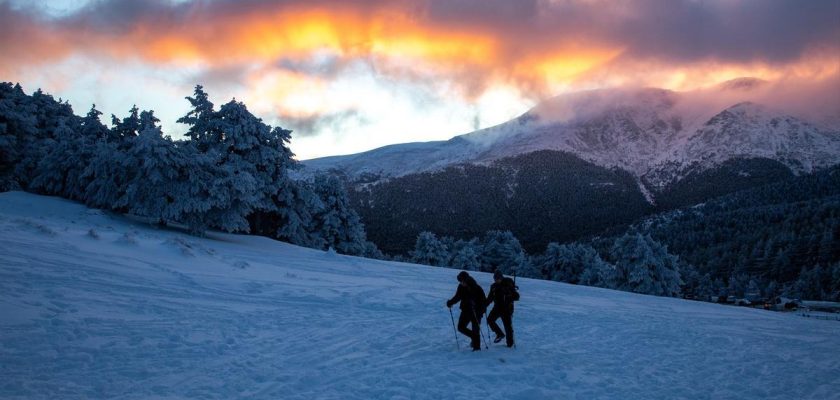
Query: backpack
507,289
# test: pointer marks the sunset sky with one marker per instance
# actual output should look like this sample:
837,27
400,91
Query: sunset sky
349,76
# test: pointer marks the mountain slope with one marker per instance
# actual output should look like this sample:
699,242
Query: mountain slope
655,134
101,307
744,131
541,196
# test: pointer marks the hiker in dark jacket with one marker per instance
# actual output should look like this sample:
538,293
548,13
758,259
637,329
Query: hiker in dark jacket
502,294
472,299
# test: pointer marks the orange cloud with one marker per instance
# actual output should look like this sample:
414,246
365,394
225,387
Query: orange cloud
538,46
388,35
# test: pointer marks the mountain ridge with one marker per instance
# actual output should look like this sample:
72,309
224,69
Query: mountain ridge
659,136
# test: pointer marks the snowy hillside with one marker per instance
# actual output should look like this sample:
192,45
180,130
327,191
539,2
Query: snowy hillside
751,130
99,306
653,133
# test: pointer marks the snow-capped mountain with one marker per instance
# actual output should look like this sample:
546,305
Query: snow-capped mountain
657,135
749,130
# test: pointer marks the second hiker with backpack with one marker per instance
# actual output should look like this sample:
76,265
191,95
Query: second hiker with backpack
502,293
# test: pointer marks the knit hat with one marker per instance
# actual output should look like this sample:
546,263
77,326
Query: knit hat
498,275
462,275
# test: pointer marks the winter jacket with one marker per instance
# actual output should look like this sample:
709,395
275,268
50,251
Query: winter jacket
503,294
471,297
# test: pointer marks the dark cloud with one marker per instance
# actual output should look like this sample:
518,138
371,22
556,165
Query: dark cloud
766,30
684,30
483,13
118,16
221,76
317,124
323,66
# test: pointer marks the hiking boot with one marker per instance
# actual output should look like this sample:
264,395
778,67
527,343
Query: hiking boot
498,338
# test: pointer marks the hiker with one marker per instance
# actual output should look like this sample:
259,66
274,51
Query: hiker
472,299
502,294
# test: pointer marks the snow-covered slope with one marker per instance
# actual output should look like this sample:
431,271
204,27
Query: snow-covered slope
751,130
652,133
97,306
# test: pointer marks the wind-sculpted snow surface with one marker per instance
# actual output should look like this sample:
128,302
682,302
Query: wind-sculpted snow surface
98,306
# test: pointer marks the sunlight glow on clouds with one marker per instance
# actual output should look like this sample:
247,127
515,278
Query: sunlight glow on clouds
352,75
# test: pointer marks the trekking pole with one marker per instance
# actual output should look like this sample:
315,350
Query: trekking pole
480,332
511,304
458,345
487,321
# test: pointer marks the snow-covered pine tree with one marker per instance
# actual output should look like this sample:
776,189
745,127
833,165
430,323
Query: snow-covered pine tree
737,285
249,146
429,250
706,288
293,221
809,285
371,251
502,251
201,120
464,255
91,125
643,265
58,172
123,130
91,131
335,222
49,116
17,123
154,167
568,262
199,193
834,288
105,174
599,273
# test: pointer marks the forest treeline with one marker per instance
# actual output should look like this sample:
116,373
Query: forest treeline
231,172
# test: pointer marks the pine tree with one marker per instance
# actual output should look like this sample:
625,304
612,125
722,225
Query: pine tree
429,250
567,262
464,255
834,287
105,175
706,289
501,251
643,265
17,124
598,273
59,171
293,219
125,129
50,117
201,119
828,247
371,251
809,285
154,168
335,222
251,147
91,125
113,166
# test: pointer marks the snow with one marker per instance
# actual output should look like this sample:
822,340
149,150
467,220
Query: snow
94,305
652,133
